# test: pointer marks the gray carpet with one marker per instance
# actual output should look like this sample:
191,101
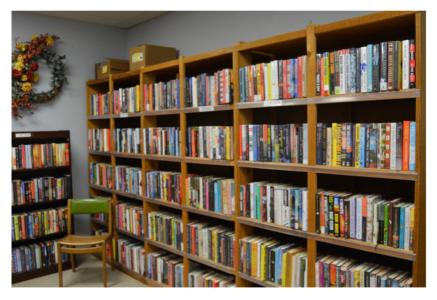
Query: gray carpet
88,274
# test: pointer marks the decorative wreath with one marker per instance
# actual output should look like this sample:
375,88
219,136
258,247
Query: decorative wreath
24,67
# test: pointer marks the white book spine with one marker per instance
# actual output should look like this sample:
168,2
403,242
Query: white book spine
209,129
274,75
359,217
375,230
369,221
194,88
304,210
341,65
251,142
352,217
268,203
364,69
407,228
251,200
201,142
393,146
305,143
347,64
405,64
266,82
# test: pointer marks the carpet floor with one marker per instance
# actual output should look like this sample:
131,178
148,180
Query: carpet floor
89,273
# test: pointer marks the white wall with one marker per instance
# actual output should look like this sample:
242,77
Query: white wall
197,32
84,45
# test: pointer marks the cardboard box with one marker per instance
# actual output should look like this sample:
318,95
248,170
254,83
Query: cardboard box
147,55
111,66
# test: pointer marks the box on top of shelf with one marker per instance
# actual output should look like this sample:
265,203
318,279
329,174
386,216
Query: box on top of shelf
111,66
147,55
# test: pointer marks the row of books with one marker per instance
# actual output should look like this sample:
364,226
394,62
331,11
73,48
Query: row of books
99,104
271,260
213,142
278,79
36,256
129,217
209,89
37,156
367,145
215,194
366,218
213,242
127,140
166,268
131,254
166,228
126,100
162,95
99,139
33,224
206,277
162,140
286,143
282,204
338,271
40,189
164,185
101,174
385,66
128,179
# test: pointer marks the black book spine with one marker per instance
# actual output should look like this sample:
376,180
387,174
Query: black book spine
376,68
368,131
272,265
269,142
300,145
346,219
318,74
317,213
358,70
384,66
396,66
412,67
280,79
319,142
248,200
331,73
324,126
287,142
272,205
396,224
189,239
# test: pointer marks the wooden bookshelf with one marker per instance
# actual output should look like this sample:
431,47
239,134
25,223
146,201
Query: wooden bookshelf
40,137
314,39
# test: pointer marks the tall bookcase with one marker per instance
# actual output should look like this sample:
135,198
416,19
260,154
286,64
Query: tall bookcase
40,137
394,106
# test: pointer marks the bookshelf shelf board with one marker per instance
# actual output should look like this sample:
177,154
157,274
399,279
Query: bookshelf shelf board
100,222
47,236
272,227
93,152
274,166
48,169
129,234
37,205
258,281
208,213
209,108
126,115
162,157
394,95
162,112
165,247
155,283
92,82
379,249
23,276
366,172
207,161
211,263
99,117
164,203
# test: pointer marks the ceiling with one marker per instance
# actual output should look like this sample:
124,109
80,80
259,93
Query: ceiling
119,19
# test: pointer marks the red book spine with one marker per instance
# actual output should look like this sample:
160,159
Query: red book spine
284,79
146,97
289,79
207,91
322,77
261,74
391,62
249,75
240,138
67,154
23,156
406,146
299,78
412,65
244,200
193,241
387,145
264,204
222,87
193,143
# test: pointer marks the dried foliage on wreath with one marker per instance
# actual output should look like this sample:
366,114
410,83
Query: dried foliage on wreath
24,67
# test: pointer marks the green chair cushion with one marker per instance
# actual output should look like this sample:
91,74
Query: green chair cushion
89,206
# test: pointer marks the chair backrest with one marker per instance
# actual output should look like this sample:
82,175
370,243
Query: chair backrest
90,206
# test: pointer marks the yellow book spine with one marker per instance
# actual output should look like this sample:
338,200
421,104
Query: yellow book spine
356,278
411,237
137,106
228,144
338,144
254,259
357,145
326,74
16,228
187,192
263,263
45,223
63,154
164,188
269,81
172,232
284,269
334,144
258,82
113,249
153,228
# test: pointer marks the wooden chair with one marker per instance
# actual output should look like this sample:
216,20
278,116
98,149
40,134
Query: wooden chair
88,244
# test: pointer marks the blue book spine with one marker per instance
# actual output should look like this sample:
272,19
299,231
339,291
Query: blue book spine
300,207
362,146
255,140
190,103
216,188
218,201
257,202
412,158
292,78
402,227
296,207
277,252
15,261
204,89
353,70
369,68
296,95
178,99
242,88
278,278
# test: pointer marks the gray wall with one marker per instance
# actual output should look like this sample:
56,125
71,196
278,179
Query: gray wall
197,32
84,44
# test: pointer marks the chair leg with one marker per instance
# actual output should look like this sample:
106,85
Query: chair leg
104,263
59,264
73,267
112,254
